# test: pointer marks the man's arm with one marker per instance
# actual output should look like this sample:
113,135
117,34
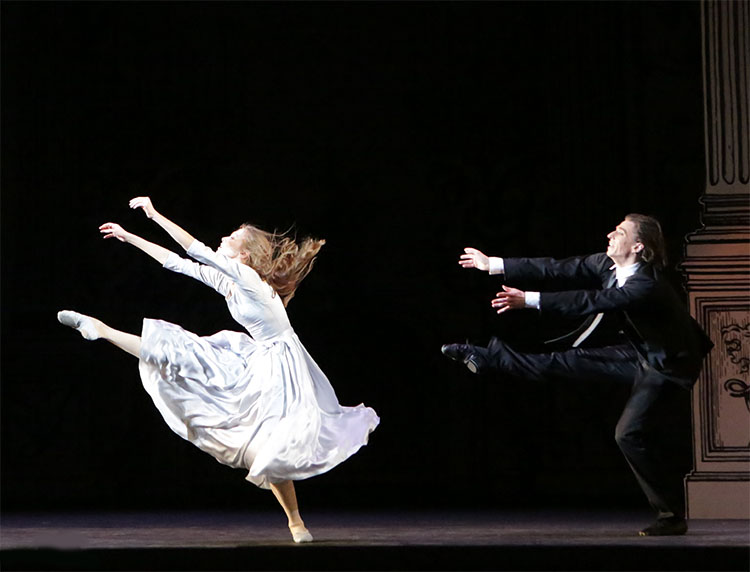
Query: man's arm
575,303
637,291
585,270
581,271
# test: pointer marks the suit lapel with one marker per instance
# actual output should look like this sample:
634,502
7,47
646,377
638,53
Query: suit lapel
591,322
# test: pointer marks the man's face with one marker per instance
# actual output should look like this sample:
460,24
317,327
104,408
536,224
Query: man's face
623,246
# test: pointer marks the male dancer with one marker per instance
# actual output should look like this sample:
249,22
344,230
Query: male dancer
661,350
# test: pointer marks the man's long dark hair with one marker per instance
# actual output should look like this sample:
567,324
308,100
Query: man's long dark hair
648,233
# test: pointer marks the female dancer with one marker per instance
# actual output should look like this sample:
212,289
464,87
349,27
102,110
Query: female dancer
260,403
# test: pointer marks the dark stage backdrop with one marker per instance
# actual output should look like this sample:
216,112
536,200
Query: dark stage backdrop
398,132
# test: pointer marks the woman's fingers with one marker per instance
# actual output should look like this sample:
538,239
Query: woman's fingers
140,202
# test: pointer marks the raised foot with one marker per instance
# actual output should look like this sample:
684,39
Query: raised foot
300,534
84,324
465,354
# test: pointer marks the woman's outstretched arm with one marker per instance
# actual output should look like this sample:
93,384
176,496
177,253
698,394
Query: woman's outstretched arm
183,238
114,230
209,276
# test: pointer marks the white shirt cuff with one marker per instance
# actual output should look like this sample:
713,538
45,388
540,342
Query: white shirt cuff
497,265
532,299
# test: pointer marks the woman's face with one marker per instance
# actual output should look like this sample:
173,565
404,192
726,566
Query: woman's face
231,245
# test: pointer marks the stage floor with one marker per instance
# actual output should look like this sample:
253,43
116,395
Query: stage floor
376,540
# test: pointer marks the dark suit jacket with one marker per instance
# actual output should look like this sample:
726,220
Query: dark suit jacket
653,318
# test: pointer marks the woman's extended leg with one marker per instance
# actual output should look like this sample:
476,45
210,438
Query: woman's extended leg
93,329
287,497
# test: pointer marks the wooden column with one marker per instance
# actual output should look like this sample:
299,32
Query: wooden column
717,266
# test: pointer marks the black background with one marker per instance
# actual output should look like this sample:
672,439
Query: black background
398,132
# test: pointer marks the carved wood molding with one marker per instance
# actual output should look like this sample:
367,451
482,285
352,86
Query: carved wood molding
726,51
721,437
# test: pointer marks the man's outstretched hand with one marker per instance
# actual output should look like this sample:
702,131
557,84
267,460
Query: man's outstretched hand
474,258
509,299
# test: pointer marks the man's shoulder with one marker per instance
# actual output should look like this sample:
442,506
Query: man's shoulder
599,260
600,257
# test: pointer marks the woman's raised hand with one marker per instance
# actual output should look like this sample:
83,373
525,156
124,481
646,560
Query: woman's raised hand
114,230
182,238
145,204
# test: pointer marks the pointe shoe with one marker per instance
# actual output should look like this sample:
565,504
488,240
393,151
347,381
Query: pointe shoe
84,324
300,534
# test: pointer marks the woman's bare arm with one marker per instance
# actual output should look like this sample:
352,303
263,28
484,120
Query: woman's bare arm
181,236
114,230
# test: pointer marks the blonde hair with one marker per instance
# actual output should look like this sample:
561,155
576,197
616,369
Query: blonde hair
279,259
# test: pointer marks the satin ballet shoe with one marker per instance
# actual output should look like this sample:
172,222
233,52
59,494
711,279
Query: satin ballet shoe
84,324
300,534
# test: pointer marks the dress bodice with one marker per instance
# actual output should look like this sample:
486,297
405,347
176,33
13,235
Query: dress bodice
252,302
258,402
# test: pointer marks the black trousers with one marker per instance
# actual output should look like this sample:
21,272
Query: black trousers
637,432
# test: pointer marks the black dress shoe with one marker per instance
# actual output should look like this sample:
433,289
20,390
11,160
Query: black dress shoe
672,526
466,354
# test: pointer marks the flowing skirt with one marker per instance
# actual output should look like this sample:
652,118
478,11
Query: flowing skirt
264,406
